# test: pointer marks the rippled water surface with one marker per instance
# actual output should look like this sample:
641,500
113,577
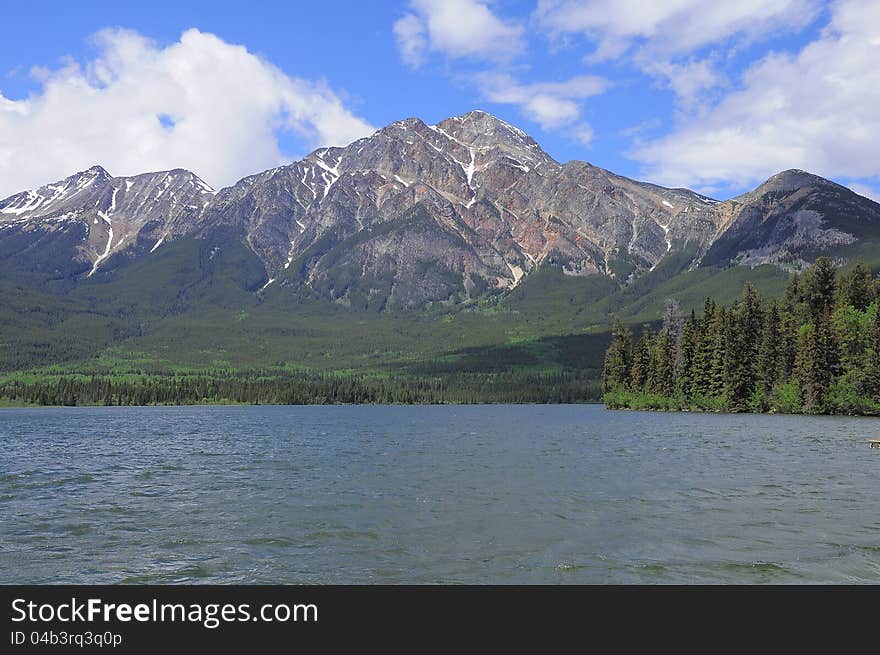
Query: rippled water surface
501,494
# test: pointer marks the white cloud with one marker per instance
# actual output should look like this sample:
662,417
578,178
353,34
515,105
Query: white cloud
227,107
662,38
550,104
816,110
688,79
411,39
583,133
671,27
457,29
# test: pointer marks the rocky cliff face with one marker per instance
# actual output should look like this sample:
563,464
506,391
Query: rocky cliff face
417,213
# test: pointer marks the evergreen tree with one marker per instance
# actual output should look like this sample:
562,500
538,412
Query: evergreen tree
705,350
661,379
871,378
819,286
817,363
788,334
750,317
793,295
771,366
688,348
640,372
618,358
741,339
856,287
848,324
719,335
739,372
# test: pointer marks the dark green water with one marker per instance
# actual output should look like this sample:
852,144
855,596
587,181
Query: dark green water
485,494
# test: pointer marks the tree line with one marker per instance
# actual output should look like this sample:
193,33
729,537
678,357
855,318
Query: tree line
305,389
816,350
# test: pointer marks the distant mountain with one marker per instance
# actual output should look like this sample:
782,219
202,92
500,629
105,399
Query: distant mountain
418,213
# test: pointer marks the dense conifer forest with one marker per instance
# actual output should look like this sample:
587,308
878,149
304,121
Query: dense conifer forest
302,389
814,351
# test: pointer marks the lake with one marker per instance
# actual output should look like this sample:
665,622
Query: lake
435,494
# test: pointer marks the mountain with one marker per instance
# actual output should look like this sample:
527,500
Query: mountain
790,220
76,226
418,213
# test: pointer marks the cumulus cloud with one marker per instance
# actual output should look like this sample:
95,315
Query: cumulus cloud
673,27
550,104
199,103
456,29
816,109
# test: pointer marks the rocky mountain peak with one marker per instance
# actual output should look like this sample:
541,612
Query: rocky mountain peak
96,171
478,125
483,131
791,180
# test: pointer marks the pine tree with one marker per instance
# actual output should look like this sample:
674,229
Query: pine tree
661,377
751,317
744,339
788,333
849,329
685,368
871,379
741,337
640,372
770,368
716,382
618,359
702,367
817,363
793,295
856,287
820,286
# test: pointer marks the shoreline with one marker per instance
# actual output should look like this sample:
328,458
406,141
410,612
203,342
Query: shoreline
234,404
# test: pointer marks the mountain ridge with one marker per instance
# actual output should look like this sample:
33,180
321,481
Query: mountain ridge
418,213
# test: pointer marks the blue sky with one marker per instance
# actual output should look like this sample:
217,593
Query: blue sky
714,96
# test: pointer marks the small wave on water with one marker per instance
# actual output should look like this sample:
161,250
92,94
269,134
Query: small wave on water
770,571
77,529
185,575
567,568
82,478
269,541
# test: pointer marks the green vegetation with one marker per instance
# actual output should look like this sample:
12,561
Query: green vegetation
814,351
118,340
269,387
191,325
